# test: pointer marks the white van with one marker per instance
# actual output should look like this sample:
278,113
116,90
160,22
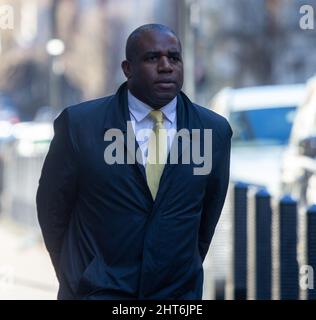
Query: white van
262,119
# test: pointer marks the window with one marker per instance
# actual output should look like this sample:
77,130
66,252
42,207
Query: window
264,126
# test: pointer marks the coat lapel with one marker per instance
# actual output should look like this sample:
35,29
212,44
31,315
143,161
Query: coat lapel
117,116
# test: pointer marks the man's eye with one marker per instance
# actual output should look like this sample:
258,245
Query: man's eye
151,58
174,59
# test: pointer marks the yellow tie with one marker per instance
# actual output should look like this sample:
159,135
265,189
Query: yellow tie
157,152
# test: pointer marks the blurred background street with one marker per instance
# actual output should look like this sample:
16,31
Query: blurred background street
252,61
25,271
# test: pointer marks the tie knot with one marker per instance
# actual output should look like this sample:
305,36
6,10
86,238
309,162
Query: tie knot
157,116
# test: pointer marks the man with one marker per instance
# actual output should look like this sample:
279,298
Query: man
134,230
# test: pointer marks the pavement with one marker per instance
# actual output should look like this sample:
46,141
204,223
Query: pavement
26,272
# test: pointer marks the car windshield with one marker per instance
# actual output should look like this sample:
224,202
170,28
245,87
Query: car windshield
262,126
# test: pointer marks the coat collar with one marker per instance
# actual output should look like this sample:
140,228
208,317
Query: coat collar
117,115
117,112
141,110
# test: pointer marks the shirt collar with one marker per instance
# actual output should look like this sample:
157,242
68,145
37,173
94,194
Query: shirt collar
141,110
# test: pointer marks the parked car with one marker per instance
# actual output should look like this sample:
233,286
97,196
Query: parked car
299,160
24,157
261,119
8,117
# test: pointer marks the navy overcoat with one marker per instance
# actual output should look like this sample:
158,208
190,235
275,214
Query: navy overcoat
106,236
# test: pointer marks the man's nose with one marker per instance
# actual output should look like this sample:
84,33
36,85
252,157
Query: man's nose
164,65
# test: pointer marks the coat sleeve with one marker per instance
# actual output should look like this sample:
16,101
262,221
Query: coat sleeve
57,190
215,194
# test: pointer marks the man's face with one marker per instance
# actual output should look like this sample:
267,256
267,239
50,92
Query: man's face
155,74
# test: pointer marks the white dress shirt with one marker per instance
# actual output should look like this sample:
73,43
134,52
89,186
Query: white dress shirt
143,124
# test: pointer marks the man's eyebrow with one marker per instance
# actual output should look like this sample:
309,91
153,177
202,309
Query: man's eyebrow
175,53
154,52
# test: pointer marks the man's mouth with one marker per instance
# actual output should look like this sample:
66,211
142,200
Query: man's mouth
165,84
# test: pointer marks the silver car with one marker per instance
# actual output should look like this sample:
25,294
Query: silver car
299,161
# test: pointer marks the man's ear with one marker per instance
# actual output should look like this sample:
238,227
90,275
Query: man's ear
127,69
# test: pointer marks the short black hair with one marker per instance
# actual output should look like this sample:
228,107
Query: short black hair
131,43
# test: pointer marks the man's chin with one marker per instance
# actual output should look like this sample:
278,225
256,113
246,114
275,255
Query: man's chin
163,99
164,95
